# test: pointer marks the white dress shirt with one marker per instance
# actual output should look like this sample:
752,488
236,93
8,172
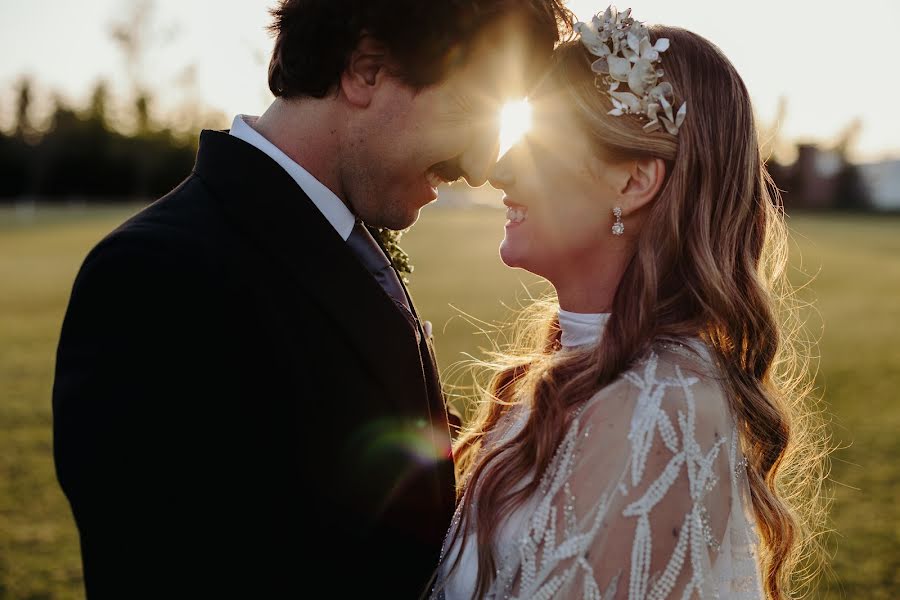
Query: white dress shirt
325,200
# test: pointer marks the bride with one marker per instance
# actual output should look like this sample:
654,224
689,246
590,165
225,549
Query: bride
649,443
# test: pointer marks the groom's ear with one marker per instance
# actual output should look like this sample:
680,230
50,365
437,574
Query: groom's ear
645,177
364,72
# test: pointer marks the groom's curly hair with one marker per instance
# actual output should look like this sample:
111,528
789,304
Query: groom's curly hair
314,39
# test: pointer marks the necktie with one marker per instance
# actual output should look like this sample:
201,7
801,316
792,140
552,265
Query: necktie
374,259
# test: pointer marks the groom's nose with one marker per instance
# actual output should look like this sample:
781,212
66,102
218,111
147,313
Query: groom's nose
477,160
502,175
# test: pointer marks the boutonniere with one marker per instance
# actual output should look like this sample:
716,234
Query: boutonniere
389,240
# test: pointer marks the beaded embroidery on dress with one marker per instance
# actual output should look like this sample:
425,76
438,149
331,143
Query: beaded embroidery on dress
646,497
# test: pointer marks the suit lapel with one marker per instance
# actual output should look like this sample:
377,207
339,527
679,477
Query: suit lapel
263,201
429,361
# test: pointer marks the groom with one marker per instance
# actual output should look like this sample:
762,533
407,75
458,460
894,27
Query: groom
246,402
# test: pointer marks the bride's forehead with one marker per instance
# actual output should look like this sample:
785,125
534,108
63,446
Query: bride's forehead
552,110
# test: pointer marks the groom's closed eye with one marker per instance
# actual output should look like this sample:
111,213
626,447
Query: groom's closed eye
449,170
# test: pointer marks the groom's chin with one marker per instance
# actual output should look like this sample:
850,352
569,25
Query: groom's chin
397,220
406,220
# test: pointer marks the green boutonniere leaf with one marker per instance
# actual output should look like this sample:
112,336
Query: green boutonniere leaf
389,240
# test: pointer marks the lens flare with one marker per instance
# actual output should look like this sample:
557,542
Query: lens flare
515,121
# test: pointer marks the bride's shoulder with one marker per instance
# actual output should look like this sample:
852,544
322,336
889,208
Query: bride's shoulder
690,356
673,376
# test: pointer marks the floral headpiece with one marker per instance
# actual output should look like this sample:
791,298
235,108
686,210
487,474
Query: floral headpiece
626,56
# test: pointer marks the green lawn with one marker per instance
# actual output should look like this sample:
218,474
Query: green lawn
855,260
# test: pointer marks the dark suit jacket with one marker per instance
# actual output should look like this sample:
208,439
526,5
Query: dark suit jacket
239,408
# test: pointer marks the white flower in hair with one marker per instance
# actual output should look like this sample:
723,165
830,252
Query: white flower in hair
625,55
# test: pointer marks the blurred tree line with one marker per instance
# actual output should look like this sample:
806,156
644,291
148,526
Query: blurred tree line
81,155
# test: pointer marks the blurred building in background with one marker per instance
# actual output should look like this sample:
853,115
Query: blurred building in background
882,180
821,179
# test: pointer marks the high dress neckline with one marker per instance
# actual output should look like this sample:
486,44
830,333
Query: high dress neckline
581,329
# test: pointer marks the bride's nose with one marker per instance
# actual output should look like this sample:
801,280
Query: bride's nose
502,175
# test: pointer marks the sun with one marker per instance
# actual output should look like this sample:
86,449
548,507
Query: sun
515,121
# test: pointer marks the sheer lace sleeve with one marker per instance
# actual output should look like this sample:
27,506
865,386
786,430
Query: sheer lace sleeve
646,497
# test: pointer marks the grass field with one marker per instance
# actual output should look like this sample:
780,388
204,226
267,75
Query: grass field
855,260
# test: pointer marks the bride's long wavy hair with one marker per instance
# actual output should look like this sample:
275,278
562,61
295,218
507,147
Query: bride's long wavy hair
709,262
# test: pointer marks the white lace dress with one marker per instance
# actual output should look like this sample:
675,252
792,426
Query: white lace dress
646,497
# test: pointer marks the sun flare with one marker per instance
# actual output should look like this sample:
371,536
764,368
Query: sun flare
515,121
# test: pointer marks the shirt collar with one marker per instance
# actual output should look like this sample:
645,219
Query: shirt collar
580,329
334,210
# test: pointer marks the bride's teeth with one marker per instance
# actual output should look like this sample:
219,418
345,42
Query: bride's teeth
516,215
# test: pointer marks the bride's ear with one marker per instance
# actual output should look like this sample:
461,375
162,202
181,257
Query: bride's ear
364,72
645,179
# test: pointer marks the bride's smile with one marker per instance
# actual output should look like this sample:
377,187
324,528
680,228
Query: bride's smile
516,213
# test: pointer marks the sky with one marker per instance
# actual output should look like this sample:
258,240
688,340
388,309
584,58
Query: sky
832,61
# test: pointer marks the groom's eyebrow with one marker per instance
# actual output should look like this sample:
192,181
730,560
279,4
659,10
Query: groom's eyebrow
474,102
461,110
